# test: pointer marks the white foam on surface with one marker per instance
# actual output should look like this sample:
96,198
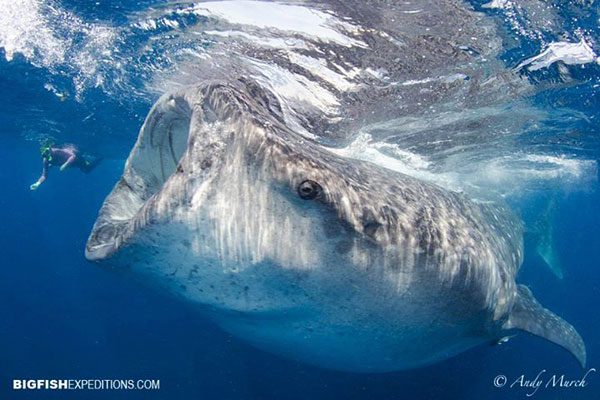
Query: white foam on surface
497,4
284,17
568,53
278,43
444,79
291,88
392,157
25,28
50,37
318,67
498,176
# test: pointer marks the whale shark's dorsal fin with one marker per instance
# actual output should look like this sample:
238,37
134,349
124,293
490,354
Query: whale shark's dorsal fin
529,315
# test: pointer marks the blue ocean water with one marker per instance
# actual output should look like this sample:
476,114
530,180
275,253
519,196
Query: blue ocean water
63,317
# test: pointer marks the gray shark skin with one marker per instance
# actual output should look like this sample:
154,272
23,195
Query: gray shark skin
331,261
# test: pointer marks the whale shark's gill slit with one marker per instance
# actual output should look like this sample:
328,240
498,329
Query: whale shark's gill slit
162,143
174,156
161,162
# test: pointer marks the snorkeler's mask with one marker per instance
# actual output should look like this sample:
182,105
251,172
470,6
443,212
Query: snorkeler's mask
46,153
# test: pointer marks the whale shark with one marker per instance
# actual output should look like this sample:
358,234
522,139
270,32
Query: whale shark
304,253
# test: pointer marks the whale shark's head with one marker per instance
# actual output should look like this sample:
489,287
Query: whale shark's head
220,162
217,177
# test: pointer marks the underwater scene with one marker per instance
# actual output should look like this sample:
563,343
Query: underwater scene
318,199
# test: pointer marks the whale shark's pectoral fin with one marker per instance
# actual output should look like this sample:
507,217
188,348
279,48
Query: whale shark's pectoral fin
546,246
547,251
548,254
529,315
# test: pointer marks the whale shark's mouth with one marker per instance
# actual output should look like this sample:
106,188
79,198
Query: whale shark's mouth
162,142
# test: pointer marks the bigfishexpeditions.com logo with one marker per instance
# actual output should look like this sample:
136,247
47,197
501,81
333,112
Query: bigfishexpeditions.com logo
86,384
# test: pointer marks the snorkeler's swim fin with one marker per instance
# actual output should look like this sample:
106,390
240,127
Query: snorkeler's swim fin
529,315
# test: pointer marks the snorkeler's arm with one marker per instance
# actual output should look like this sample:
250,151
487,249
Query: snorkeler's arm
42,177
69,161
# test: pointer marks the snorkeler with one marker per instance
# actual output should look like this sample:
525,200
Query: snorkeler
65,156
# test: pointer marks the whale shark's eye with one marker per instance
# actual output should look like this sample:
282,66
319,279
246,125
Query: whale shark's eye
309,190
